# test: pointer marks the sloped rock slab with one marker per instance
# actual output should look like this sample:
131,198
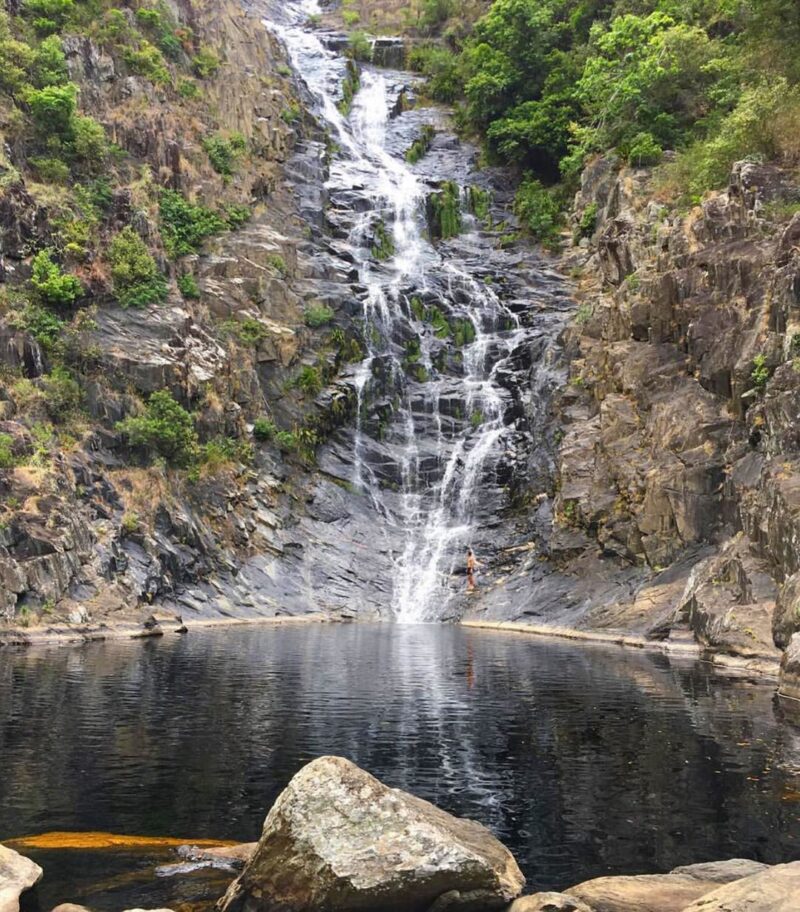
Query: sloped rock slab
338,840
647,893
548,902
774,890
722,872
17,874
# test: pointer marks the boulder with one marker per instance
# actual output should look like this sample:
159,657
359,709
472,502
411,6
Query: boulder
548,902
646,893
17,874
774,890
338,840
235,856
790,670
722,872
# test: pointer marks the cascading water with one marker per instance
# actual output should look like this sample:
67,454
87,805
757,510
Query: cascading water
433,413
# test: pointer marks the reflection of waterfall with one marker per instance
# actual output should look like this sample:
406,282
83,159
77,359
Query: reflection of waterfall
432,419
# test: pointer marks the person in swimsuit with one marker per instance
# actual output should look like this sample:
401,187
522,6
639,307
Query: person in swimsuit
472,565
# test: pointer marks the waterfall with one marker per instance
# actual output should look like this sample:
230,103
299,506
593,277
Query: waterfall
432,422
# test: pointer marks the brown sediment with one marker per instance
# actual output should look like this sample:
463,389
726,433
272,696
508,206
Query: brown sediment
99,840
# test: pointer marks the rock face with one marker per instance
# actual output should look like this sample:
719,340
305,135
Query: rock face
17,874
338,840
548,902
774,890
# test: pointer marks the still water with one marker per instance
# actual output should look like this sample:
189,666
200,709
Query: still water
583,760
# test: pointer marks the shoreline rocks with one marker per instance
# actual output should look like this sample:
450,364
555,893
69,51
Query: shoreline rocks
338,840
17,875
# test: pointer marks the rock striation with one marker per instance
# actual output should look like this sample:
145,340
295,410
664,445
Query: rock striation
338,840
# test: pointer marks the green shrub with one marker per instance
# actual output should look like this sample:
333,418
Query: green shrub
148,61
443,212
53,109
48,15
760,373
61,394
166,429
643,150
359,47
188,88
587,224
221,452
443,70
538,209
237,215
136,277
42,324
421,146
184,226
89,142
247,331
205,63
52,285
276,261
51,170
7,458
309,380
224,153
188,287
264,429
50,64
319,315
291,114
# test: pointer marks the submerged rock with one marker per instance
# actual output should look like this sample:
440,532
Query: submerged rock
17,874
774,890
337,840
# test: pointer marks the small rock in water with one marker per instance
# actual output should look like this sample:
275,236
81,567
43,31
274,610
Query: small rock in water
339,840
17,874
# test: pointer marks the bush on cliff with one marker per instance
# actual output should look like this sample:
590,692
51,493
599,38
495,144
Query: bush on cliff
136,277
165,429
51,284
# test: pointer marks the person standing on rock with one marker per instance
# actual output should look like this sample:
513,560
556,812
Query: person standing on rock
472,566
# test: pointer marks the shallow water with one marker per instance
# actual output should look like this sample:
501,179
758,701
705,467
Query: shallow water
583,760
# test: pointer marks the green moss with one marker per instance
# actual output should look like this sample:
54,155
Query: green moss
444,212
422,145
383,247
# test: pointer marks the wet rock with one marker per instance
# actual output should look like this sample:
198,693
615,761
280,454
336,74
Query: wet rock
236,856
17,874
338,839
548,902
790,670
774,890
646,893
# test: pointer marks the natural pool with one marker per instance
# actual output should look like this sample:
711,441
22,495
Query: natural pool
583,760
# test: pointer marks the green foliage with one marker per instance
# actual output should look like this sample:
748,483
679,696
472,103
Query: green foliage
291,114
166,429
538,209
587,224
760,373
237,215
148,61
61,394
643,150
383,247
48,16
53,109
443,70
188,287
224,152
350,87
309,380
278,263
135,274
264,429
359,47
205,63
42,324
443,211
184,225
49,63
247,331
52,285
318,315
7,458
421,146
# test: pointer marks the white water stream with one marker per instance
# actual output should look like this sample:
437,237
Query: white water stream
439,459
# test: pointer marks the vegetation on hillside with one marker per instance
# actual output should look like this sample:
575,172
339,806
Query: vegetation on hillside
548,83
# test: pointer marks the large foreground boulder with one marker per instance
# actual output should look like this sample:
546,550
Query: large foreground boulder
17,874
338,840
774,890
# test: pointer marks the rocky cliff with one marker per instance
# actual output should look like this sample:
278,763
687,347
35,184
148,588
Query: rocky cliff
675,503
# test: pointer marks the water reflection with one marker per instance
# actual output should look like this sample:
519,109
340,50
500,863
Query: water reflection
584,760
